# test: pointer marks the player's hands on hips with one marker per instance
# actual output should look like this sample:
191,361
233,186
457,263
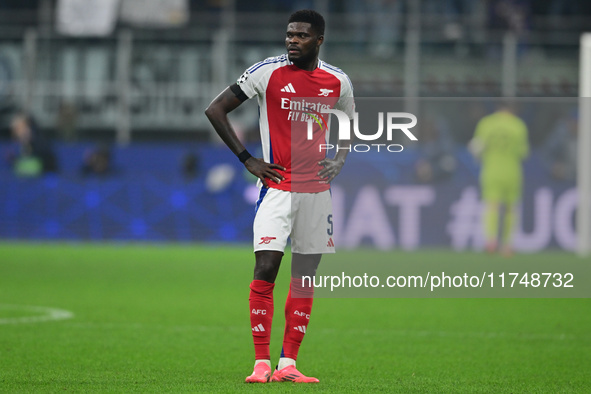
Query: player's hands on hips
264,170
331,169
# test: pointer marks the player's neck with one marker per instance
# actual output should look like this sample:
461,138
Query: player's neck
307,66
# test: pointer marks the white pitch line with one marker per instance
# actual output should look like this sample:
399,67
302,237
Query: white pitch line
43,314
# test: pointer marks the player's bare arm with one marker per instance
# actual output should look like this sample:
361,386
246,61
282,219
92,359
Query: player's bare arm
217,113
332,167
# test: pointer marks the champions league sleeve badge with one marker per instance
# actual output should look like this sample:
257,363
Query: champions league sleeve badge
243,78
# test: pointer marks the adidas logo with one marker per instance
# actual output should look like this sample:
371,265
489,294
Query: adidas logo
301,329
330,243
258,328
288,88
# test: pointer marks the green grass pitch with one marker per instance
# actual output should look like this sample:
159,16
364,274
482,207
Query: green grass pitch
174,318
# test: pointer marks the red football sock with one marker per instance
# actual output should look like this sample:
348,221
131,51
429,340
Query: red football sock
261,316
297,316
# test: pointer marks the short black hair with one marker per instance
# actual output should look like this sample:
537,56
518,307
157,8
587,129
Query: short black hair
309,16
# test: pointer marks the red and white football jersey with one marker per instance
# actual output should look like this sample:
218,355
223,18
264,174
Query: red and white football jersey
288,98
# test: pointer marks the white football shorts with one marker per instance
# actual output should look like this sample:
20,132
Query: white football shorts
305,218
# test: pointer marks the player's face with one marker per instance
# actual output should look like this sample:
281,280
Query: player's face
301,42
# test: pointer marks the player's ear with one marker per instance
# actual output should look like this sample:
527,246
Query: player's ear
319,40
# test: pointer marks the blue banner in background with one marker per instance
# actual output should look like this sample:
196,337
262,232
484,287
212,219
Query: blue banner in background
201,193
381,202
150,194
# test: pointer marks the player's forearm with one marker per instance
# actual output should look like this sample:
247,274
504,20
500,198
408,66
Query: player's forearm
344,147
224,129
343,150
217,113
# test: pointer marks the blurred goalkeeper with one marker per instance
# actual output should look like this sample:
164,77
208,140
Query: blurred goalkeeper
501,143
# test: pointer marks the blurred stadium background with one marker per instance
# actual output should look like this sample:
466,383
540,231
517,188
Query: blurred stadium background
122,151
117,90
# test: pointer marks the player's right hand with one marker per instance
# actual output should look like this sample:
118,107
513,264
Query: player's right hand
264,170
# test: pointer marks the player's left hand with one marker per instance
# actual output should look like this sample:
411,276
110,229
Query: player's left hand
331,169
